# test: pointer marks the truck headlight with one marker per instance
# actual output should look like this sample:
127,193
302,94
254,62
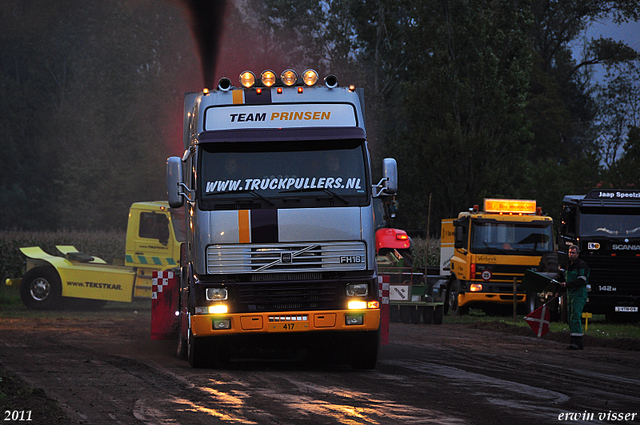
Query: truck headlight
357,305
475,287
216,294
212,309
357,289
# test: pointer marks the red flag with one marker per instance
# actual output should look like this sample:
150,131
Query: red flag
539,320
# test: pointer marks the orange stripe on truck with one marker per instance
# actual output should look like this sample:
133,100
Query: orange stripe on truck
237,97
244,228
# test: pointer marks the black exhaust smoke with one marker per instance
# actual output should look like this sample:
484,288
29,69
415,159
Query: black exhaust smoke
206,18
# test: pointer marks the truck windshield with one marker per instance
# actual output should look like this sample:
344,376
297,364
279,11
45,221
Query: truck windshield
607,222
511,238
283,175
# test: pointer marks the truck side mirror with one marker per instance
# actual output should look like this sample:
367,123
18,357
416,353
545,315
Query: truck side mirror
174,182
390,173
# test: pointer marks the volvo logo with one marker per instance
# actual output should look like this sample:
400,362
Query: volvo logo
286,258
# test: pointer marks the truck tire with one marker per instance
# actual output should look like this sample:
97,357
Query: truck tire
205,352
406,255
364,350
182,349
452,301
438,315
41,288
197,351
532,302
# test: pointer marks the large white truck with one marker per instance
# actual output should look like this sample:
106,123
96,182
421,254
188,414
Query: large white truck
276,184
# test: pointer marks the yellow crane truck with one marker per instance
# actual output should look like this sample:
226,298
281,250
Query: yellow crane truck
154,235
483,251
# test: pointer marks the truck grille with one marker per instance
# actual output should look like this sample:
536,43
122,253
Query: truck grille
288,296
621,272
286,258
502,275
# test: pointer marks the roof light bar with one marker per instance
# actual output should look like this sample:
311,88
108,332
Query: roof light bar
268,78
289,77
310,77
516,206
247,79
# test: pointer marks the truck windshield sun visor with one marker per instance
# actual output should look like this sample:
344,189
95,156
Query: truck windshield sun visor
283,174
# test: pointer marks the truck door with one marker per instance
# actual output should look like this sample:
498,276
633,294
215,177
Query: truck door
148,243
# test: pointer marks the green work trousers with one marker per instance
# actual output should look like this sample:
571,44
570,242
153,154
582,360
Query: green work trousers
577,298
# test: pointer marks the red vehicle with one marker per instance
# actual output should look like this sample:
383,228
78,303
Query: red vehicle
389,239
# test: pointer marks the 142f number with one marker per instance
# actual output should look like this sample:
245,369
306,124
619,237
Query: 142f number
607,288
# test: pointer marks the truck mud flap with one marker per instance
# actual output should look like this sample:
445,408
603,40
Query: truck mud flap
164,304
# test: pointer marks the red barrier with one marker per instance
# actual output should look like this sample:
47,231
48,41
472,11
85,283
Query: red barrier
383,282
164,304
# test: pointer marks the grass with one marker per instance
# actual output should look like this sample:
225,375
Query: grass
597,327
11,307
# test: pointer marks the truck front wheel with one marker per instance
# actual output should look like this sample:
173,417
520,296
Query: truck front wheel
41,288
452,301
196,351
207,351
181,351
365,349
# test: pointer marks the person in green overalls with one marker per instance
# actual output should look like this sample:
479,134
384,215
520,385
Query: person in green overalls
576,280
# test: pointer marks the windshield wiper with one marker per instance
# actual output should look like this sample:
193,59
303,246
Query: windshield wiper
251,192
311,189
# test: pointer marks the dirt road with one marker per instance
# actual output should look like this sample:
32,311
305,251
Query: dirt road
102,368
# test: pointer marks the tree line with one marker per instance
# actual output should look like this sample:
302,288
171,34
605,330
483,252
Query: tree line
474,98
483,98
85,93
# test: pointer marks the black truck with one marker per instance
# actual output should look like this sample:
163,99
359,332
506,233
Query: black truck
605,225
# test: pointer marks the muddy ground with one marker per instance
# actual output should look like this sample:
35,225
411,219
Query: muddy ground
102,368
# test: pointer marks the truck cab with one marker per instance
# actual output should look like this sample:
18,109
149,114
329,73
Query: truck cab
491,250
276,183
605,226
